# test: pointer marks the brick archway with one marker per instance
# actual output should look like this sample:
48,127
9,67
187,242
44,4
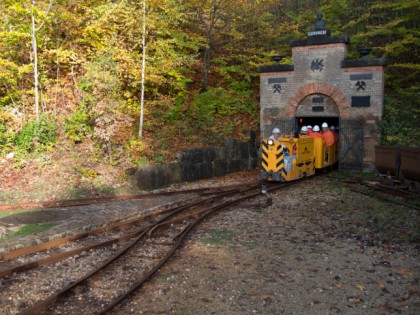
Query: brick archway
319,88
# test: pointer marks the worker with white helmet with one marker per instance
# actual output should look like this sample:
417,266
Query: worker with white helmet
309,127
316,133
327,135
275,134
304,131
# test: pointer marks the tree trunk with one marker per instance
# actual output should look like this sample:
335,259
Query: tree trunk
34,44
206,62
143,67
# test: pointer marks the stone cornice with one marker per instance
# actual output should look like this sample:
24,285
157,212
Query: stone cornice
276,68
320,40
363,62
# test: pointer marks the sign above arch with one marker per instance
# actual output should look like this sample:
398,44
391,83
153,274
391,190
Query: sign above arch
309,95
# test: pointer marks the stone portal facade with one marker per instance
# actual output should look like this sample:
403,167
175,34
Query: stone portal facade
320,85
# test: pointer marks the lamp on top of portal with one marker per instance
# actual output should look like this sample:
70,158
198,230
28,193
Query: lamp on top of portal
277,58
364,52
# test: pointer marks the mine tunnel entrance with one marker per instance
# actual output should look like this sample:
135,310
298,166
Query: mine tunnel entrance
316,120
351,135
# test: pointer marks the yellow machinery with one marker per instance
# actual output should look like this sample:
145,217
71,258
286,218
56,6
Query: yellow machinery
324,156
293,158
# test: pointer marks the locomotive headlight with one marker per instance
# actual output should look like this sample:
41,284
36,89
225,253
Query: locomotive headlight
270,142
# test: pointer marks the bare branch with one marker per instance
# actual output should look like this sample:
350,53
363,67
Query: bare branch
46,14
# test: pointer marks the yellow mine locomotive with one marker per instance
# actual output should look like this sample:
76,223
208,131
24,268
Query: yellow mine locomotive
291,158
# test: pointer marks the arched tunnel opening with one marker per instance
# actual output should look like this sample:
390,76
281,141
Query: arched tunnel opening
315,120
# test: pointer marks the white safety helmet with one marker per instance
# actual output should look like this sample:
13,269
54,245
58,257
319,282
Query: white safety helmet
316,128
324,125
276,130
304,128
309,126
332,128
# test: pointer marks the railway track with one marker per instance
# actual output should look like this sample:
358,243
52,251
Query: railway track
390,194
99,200
118,258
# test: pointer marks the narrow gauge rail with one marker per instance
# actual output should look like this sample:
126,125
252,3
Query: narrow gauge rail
383,192
97,200
145,247
62,248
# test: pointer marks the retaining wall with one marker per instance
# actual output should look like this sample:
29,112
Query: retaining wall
200,163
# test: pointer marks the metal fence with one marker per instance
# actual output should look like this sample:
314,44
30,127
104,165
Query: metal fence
351,144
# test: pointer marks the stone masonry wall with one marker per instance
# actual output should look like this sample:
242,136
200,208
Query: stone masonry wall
347,89
200,163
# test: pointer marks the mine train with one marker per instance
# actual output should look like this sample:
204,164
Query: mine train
293,157
398,166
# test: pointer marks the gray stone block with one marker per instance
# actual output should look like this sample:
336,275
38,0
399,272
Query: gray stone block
220,168
244,149
231,149
209,154
233,165
206,170
192,156
190,172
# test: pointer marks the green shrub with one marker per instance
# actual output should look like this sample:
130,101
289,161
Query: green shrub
220,102
399,124
77,127
6,138
36,136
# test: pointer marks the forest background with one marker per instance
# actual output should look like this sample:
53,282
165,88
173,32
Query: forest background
71,77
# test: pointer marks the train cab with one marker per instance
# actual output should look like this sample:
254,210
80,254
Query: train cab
288,159
292,158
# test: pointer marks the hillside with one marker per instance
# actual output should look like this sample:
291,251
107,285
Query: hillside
76,127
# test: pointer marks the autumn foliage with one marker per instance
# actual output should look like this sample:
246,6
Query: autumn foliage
201,79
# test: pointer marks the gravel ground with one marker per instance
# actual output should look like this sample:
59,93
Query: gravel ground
308,253
318,249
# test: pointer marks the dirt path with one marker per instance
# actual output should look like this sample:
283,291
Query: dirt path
311,252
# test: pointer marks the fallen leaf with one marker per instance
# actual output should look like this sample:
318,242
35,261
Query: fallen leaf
360,287
384,307
405,272
266,297
401,301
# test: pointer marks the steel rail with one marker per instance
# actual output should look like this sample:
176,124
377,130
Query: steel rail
61,256
182,236
98,200
7,271
118,225
376,195
54,243
43,304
